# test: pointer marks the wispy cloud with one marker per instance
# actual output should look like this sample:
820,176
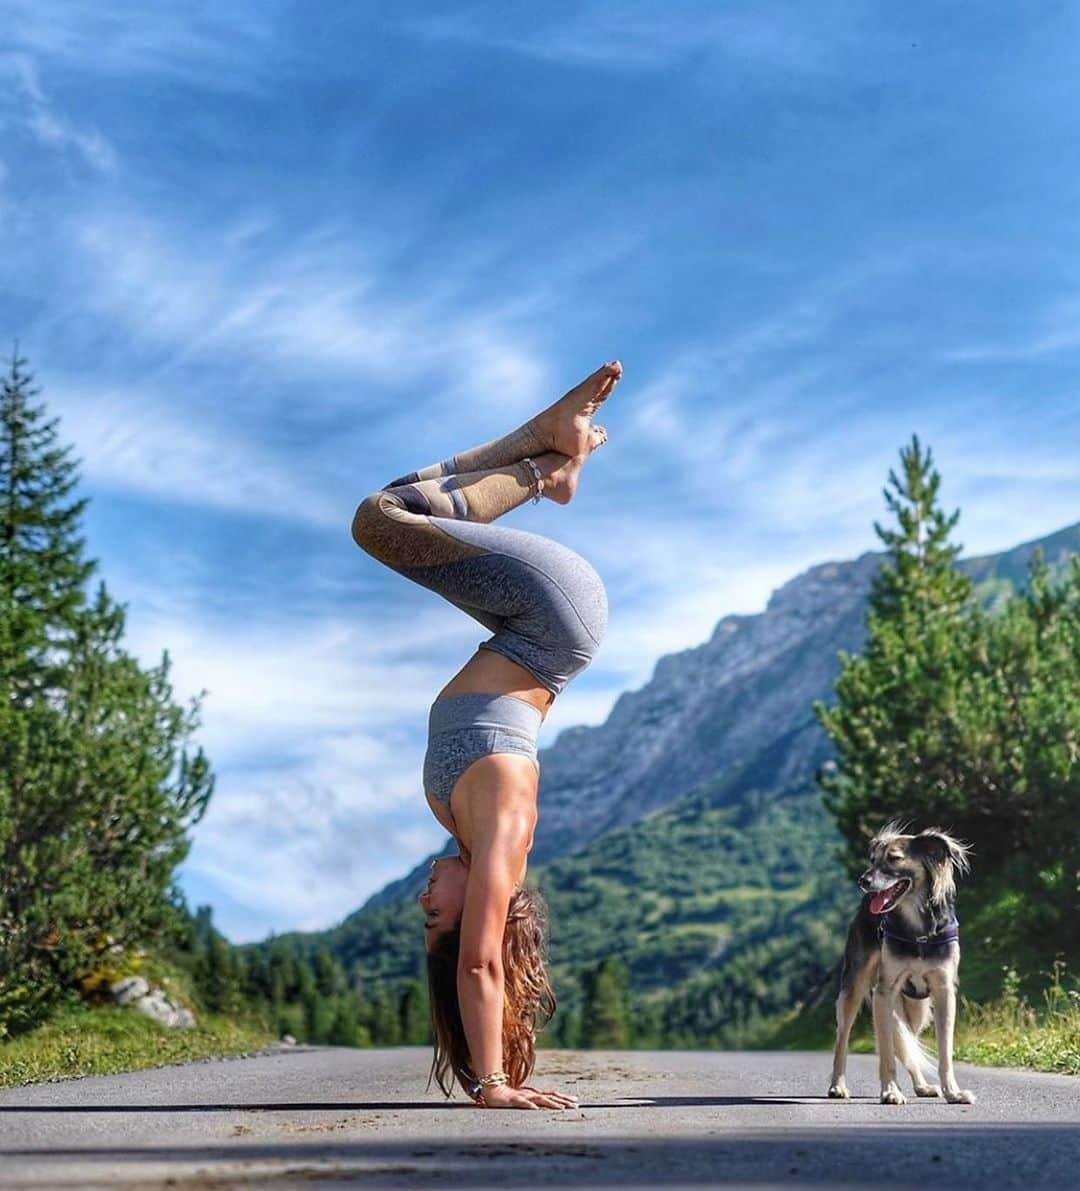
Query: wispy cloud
1055,331
220,47
27,106
320,307
136,439
636,35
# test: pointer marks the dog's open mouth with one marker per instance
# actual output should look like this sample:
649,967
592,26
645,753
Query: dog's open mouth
883,901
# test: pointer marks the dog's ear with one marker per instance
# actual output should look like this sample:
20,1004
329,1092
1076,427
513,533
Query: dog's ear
944,855
942,846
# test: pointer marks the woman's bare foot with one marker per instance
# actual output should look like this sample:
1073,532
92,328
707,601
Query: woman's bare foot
564,426
561,483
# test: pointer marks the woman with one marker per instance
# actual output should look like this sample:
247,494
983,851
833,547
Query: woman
547,609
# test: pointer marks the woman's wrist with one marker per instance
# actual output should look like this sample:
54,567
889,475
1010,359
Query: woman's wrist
488,1087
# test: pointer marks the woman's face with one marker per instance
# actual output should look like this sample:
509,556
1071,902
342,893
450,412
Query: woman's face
444,897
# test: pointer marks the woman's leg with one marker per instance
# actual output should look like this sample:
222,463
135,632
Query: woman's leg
563,427
399,524
543,603
475,495
523,442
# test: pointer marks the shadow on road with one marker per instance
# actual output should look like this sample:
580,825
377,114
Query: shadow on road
406,1105
952,1155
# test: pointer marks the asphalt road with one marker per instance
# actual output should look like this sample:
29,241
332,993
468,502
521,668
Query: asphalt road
302,1117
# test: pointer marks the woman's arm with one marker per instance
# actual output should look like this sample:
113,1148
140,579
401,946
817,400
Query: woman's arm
501,831
497,859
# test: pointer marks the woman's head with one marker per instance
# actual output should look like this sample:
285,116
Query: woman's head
528,998
443,899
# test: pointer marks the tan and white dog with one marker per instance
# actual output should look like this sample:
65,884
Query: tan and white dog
903,950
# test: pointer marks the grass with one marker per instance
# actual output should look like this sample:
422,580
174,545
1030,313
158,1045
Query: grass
84,1040
1011,1033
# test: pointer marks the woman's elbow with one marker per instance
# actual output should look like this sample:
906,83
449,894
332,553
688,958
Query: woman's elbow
480,967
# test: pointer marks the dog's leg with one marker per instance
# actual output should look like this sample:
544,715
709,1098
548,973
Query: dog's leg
847,1009
943,988
885,1031
853,987
913,1018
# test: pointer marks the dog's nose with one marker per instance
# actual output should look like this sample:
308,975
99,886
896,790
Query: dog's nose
864,881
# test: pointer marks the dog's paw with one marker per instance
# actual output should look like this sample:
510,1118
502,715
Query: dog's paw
928,1090
960,1096
839,1091
893,1095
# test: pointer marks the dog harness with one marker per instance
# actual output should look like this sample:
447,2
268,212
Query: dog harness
920,945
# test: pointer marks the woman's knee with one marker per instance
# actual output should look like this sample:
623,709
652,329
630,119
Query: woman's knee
367,521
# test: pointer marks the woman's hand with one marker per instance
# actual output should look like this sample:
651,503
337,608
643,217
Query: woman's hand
504,1096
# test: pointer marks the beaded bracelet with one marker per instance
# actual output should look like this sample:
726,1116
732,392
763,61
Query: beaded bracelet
539,486
494,1080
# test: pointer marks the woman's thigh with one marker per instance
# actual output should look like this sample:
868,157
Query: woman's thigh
545,604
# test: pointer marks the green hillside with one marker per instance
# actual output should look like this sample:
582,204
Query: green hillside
723,915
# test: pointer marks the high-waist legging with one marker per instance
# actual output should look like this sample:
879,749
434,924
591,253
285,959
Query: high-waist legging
543,603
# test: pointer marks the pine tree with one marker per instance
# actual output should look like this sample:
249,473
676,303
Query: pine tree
305,979
43,572
566,1028
360,1013
319,1013
903,704
919,581
606,1020
329,974
257,976
98,785
1033,663
385,1024
344,1029
282,973
218,970
415,1029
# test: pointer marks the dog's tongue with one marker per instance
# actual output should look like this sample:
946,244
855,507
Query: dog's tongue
880,900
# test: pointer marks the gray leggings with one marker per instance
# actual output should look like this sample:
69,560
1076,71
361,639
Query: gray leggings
544,604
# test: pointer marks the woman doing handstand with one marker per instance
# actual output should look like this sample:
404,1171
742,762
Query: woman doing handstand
547,610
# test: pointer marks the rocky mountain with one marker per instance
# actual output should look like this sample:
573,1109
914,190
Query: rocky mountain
742,699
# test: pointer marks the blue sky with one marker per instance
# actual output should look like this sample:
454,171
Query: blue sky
265,257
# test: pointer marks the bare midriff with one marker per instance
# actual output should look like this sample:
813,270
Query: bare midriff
491,673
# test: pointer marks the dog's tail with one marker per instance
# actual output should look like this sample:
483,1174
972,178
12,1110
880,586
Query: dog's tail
911,1019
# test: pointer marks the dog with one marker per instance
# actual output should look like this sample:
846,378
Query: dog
903,951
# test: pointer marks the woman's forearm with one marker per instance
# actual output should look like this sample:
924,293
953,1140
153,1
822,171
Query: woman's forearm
480,995
498,854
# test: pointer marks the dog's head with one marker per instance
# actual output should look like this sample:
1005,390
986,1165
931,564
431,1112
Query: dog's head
922,866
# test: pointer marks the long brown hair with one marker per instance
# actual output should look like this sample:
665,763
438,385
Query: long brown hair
528,1000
